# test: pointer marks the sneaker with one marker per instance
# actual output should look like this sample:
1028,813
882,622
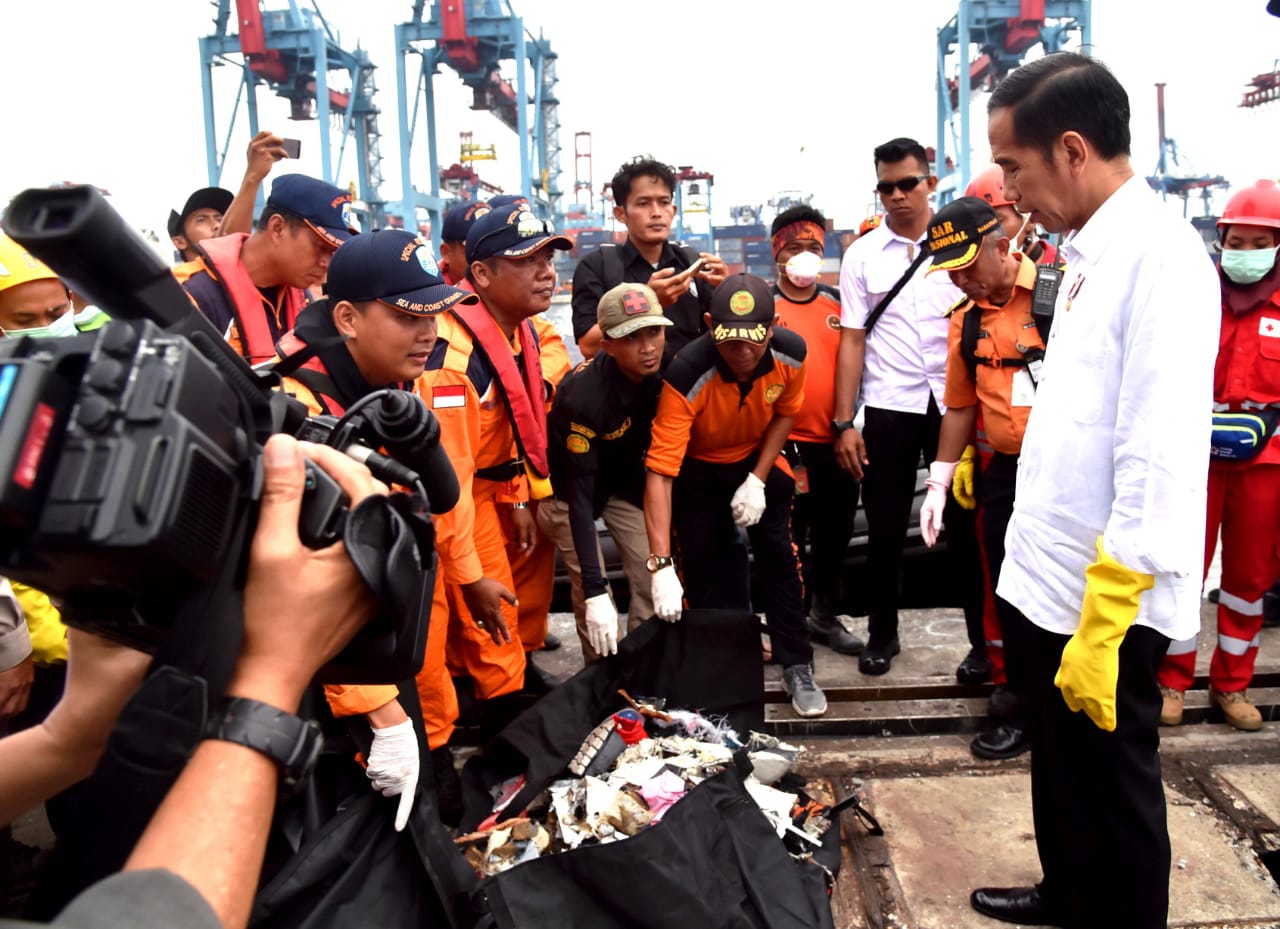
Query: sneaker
830,631
807,698
1239,712
1171,711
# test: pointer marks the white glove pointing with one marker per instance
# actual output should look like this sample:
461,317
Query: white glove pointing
935,500
747,504
602,624
668,594
393,766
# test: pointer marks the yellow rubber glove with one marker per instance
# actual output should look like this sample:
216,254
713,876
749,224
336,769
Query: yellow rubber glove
44,623
1091,661
962,480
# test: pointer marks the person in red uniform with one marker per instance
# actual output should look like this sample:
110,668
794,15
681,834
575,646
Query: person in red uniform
826,494
990,375
1244,467
728,402
252,287
484,379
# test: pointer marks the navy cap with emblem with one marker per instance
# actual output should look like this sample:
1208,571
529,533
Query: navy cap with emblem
741,308
395,267
511,232
956,232
459,220
324,208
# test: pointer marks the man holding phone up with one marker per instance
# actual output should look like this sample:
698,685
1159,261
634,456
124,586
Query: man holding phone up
643,194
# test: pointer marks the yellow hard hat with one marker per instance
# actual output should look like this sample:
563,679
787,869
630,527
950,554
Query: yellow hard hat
18,266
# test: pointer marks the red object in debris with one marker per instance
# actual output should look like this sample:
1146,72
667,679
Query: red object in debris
630,726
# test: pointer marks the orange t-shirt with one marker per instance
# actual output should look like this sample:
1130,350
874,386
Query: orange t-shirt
817,321
1005,327
705,413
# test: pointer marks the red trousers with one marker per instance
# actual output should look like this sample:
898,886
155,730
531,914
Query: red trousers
1245,503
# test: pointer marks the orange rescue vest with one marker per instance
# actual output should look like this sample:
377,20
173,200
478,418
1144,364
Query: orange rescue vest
222,256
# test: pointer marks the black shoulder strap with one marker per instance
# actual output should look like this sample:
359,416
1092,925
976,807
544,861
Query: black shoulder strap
611,266
894,291
970,330
320,385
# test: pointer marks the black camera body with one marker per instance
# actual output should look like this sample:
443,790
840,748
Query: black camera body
130,457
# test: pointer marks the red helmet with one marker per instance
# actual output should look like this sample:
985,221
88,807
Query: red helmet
1256,205
988,184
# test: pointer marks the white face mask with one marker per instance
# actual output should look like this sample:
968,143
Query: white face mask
802,268
62,327
1248,266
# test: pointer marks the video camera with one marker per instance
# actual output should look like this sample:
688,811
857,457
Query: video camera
131,458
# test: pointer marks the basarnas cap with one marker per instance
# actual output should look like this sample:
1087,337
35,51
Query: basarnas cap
206,198
19,266
395,267
511,232
742,308
324,208
629,307
956,232
508,200
459,220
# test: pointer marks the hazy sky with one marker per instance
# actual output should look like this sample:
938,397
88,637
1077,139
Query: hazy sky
768,97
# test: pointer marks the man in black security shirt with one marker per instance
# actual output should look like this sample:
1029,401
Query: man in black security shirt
597,434
643,194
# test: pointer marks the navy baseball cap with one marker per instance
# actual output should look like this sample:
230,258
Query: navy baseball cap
324,208
457,222
511,232
508,200
395,267
206,198
742,309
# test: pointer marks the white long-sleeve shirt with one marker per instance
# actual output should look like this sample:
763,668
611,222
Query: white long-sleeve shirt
1118,441
906,353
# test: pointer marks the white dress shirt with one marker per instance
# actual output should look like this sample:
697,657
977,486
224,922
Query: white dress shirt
1118,439
906,354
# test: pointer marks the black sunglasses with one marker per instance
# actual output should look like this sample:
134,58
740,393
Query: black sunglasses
906,185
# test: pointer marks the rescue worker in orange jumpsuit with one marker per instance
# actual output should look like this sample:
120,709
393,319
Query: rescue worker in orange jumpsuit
486,366
991,375
533,569
1244,467
252,287
376,330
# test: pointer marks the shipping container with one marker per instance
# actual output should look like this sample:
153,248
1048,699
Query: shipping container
753,231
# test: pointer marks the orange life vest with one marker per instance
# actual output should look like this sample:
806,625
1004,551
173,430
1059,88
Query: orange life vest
257,343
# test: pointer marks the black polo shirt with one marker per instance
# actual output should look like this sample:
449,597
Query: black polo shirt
597,435
589,285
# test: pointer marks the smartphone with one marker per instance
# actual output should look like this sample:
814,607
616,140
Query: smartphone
292,147
692,269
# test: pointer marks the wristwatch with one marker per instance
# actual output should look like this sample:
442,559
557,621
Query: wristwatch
841,425
292,743
656,563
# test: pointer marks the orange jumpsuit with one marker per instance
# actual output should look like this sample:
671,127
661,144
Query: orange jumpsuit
463,391
534,572
457,563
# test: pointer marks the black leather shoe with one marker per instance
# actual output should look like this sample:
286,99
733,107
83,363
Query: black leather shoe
877,659
1003,703
1015,905
550,642
975,669
1001,743
831,632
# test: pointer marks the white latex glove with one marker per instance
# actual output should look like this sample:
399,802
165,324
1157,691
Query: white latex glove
935,498
747,504
668,594
602,624
393,766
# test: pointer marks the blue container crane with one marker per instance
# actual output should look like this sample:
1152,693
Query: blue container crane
1002,31
473,38
292,51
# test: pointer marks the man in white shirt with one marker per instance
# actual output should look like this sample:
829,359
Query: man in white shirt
1103,553
900,371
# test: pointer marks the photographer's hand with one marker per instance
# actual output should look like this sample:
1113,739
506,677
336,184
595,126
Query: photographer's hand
39,762
301,607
